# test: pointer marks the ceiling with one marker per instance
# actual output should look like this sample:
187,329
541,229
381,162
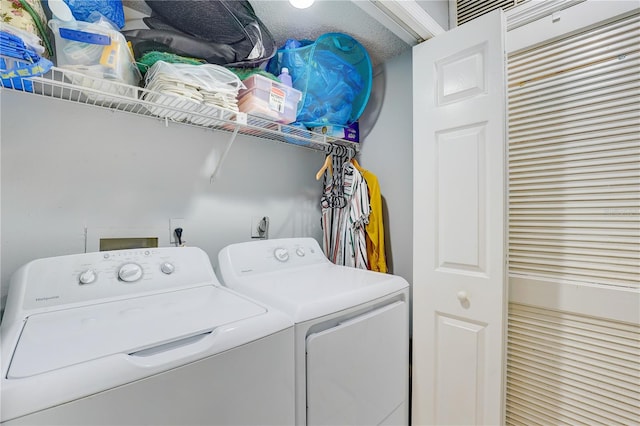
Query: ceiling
324,16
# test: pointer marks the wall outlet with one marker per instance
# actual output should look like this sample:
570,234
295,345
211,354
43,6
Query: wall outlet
173,224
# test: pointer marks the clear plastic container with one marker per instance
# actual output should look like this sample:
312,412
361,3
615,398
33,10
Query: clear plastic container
94,49
269,99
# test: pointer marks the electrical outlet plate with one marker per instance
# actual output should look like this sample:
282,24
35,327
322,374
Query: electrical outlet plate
173,224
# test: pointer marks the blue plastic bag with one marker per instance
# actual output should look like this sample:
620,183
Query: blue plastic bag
110,9
334,75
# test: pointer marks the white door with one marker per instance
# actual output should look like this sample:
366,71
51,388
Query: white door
459,291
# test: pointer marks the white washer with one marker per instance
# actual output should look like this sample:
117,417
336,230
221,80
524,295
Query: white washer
352,329
136,337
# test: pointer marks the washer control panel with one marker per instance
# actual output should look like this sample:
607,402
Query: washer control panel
112,274
132,268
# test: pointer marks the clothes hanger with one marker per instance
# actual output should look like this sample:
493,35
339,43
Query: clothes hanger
328,164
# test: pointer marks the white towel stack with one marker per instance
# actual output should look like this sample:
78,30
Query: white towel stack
181,89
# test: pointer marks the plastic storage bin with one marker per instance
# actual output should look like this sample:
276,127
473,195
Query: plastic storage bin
269,99
96,50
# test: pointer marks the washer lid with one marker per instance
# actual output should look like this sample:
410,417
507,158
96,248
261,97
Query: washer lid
62,338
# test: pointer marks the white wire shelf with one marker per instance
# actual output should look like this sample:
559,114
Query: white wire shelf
79,88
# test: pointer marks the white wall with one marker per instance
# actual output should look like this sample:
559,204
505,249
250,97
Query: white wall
387,151
439,11
67,166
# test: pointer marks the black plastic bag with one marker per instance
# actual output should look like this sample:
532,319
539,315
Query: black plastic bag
220,32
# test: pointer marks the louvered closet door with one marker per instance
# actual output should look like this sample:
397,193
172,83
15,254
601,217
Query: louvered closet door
574,227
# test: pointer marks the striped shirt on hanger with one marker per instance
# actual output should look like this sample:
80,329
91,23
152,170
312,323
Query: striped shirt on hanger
344,236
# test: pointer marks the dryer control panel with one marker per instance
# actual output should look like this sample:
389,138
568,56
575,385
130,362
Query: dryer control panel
259,257
52,283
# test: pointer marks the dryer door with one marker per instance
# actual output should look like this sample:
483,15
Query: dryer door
358,371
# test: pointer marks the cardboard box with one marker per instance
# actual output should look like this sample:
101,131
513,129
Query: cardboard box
350,133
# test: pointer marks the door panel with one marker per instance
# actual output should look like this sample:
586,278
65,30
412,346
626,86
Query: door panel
459,290
460,198
460,352
462,75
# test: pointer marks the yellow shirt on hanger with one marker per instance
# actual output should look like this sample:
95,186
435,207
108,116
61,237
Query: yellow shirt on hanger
375,227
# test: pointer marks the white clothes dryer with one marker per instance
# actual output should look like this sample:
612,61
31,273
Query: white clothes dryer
351,329
141,337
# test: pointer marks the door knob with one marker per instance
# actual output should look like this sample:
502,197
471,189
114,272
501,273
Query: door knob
462,296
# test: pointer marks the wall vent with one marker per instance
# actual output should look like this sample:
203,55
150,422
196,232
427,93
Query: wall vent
471,9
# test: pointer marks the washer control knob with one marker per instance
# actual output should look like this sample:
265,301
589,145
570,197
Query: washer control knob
87,277
167,268
300,252
130,272
281,254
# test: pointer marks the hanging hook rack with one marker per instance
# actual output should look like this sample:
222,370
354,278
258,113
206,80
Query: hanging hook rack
336,156
337,150
351,152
